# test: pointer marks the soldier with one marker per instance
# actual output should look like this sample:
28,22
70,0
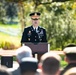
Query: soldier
70,57
34,33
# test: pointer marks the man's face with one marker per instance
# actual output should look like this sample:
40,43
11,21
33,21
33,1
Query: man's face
35,22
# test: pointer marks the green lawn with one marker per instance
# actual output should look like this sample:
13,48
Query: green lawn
10,34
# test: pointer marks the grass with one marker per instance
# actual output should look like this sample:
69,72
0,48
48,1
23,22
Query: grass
8,25
7,38
4,37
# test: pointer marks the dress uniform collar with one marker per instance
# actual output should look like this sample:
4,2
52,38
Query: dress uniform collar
35,28
38,28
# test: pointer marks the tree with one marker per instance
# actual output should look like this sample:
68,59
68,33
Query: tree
11,10
2,11
57,17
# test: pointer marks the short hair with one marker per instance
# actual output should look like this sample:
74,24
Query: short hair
50,63
4,71
71,56
28,64
23,51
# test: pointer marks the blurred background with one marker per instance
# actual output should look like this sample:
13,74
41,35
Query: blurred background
58,17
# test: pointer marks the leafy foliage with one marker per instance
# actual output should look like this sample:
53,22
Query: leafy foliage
8,42
11,10
59,19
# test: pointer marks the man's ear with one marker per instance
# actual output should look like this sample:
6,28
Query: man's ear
66,59
39,66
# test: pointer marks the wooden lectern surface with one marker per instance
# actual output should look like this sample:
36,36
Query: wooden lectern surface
38,48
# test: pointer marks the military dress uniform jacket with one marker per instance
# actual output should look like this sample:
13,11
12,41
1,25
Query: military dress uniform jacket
67,68
30,35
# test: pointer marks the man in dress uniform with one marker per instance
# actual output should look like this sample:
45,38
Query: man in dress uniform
34,33
70,57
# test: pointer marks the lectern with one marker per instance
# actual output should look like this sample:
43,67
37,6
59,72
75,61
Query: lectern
38,48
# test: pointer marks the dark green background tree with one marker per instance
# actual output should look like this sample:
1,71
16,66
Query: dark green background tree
58,17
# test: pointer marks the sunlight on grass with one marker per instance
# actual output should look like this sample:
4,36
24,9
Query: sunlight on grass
11,39
10,26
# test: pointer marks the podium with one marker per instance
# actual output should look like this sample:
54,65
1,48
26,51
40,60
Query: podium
38,48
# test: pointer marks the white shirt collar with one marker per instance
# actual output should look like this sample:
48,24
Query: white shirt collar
35,28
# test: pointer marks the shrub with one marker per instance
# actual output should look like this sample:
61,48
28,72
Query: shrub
8,45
